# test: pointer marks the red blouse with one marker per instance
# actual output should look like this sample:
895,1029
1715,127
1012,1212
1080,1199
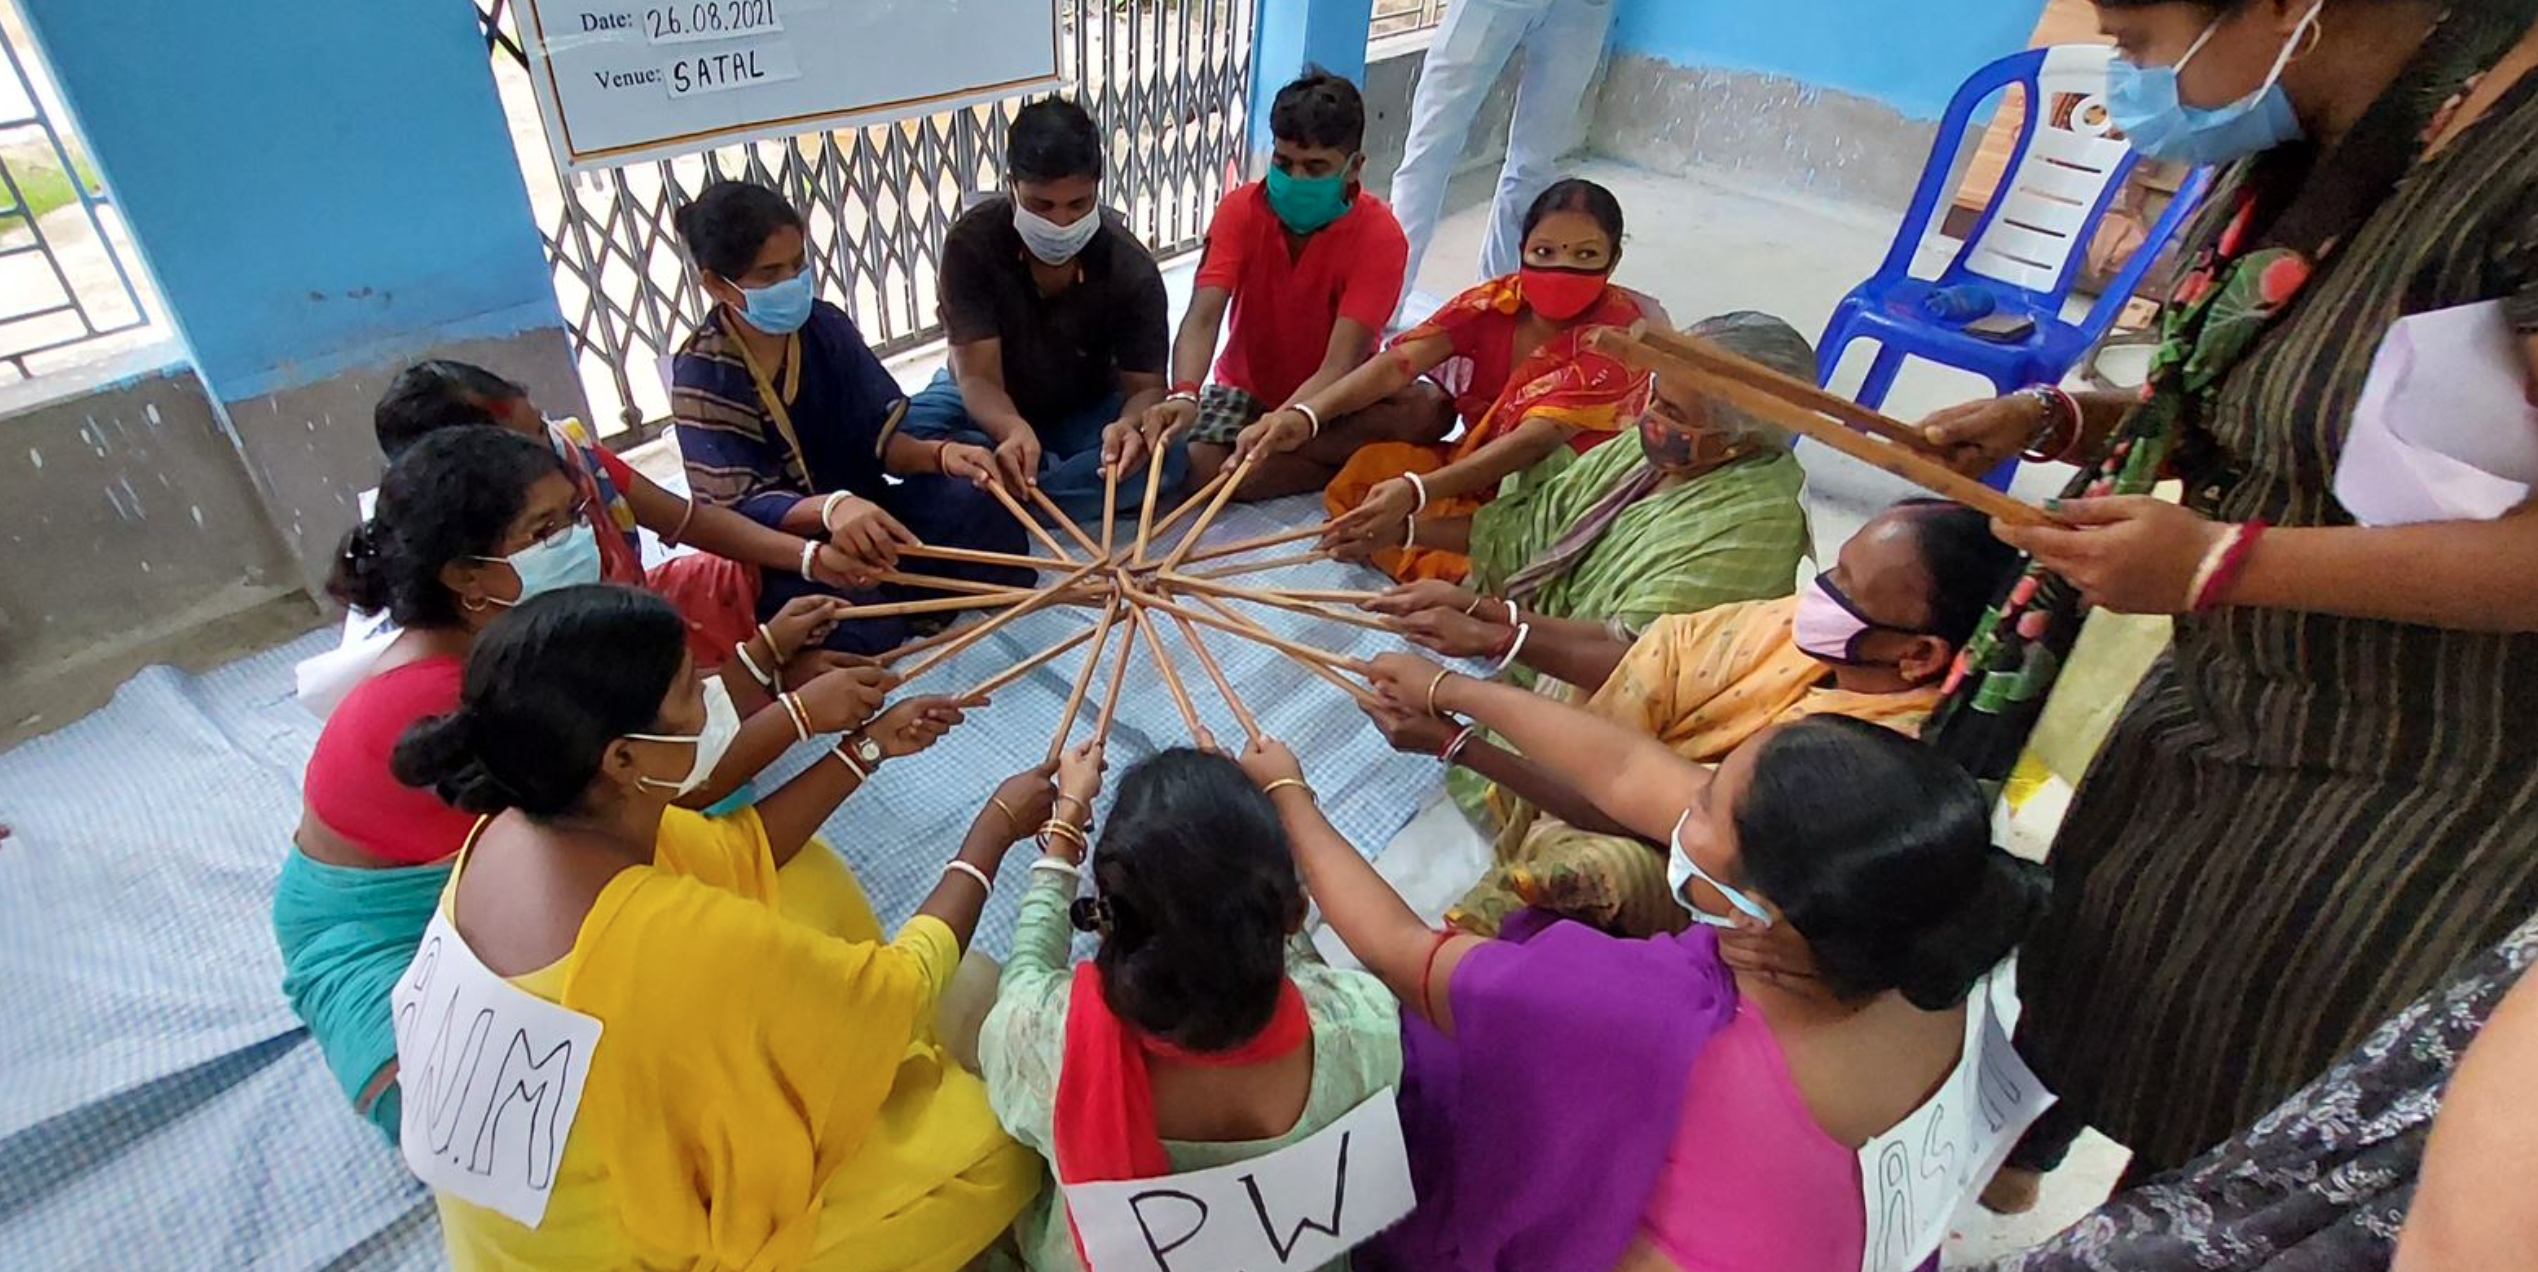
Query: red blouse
349,786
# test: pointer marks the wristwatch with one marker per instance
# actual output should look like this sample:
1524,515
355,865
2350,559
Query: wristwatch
866,751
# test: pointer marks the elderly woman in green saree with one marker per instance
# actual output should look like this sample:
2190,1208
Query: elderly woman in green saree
1698,506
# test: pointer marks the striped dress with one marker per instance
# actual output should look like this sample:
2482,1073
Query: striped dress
2302,822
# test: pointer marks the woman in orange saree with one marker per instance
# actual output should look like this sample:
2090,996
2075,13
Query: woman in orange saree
1509,358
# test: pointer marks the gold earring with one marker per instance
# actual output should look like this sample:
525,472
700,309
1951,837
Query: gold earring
473,603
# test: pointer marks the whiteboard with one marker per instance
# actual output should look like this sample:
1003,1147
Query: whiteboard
619,81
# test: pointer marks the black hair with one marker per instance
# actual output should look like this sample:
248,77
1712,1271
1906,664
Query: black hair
434,395
728,224
1321,110
447,497
1965,560
548,687
1878,850
1577,194
1201,892
1053,139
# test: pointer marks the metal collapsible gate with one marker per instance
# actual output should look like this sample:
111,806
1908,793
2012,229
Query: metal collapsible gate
1167,79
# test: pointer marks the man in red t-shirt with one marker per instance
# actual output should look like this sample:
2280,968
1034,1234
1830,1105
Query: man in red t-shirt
1311,266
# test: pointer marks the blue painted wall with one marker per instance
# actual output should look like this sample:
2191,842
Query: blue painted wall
1909,54
316,185
1290,35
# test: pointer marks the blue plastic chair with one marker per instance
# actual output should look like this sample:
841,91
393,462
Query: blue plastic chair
2027,250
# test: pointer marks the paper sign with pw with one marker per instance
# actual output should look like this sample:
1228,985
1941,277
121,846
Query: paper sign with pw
1299,1207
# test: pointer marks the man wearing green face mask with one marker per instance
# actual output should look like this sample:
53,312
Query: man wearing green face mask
1311,266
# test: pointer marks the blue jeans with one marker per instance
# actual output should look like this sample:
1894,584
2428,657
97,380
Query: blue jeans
1070,447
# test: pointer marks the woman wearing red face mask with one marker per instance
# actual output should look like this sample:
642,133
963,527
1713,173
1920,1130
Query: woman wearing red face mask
1509,359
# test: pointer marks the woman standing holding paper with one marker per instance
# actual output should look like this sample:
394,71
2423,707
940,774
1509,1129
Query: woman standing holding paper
2323,798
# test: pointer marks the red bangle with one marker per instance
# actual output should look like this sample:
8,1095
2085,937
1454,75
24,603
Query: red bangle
2233,564
2063,435
1191,387
1427,974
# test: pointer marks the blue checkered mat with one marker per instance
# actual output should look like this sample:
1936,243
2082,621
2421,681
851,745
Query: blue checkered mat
161,1107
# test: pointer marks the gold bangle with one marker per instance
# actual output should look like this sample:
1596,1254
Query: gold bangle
1013,821
1296,782
1434,685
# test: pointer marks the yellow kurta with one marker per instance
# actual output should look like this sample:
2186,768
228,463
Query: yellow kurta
1703,684
765,1096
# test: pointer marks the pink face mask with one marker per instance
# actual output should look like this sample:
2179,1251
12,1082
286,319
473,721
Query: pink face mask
1828,624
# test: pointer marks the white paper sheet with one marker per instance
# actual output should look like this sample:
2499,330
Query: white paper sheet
2445,430
491,1078
1914,1177
1299,1207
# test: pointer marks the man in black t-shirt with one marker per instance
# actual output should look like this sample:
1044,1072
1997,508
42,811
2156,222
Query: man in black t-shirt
1057,319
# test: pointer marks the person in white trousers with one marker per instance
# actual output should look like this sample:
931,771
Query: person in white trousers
1562,42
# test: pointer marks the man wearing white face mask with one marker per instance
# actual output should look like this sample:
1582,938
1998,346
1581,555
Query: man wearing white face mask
2316,805
1057,319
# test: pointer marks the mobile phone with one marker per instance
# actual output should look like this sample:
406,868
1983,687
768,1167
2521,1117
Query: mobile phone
2005,328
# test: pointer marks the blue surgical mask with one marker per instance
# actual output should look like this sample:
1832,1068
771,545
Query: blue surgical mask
1681,870
2158,123
780,309
557,561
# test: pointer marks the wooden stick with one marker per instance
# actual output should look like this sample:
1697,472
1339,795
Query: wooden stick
972,556
1026,666
1250,630
938,605
1067,523
1083,682
1110,509
1277,600
1145,514
1172,680
1198,528
1192,503
1339,595
1718,360
1803,419
1041,601
946,583
1029,522
1224,687
1253,545
1118,678
1255,567
1227,620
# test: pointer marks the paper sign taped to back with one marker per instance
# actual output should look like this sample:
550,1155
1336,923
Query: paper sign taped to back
1915,1176
1299,1207
491,1078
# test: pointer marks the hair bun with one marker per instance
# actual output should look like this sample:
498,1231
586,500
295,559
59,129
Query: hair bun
439,755
2004,901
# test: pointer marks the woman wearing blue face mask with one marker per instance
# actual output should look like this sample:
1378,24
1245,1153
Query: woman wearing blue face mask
1694,1101
2318,802
786,416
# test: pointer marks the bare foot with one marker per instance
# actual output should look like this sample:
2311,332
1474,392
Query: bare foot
2013,1191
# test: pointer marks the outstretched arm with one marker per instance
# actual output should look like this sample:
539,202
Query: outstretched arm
1412,959
1633,778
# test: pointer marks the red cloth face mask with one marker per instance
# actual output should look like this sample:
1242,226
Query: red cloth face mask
1561,294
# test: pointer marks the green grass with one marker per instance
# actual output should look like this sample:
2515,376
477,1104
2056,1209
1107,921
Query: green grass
44,186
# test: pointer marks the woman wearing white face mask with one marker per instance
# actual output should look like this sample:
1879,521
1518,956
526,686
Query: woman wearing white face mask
762,1094
1871,638
1570,1096
2317,803
471,521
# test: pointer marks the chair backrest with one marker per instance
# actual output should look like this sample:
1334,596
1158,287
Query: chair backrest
2069,164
